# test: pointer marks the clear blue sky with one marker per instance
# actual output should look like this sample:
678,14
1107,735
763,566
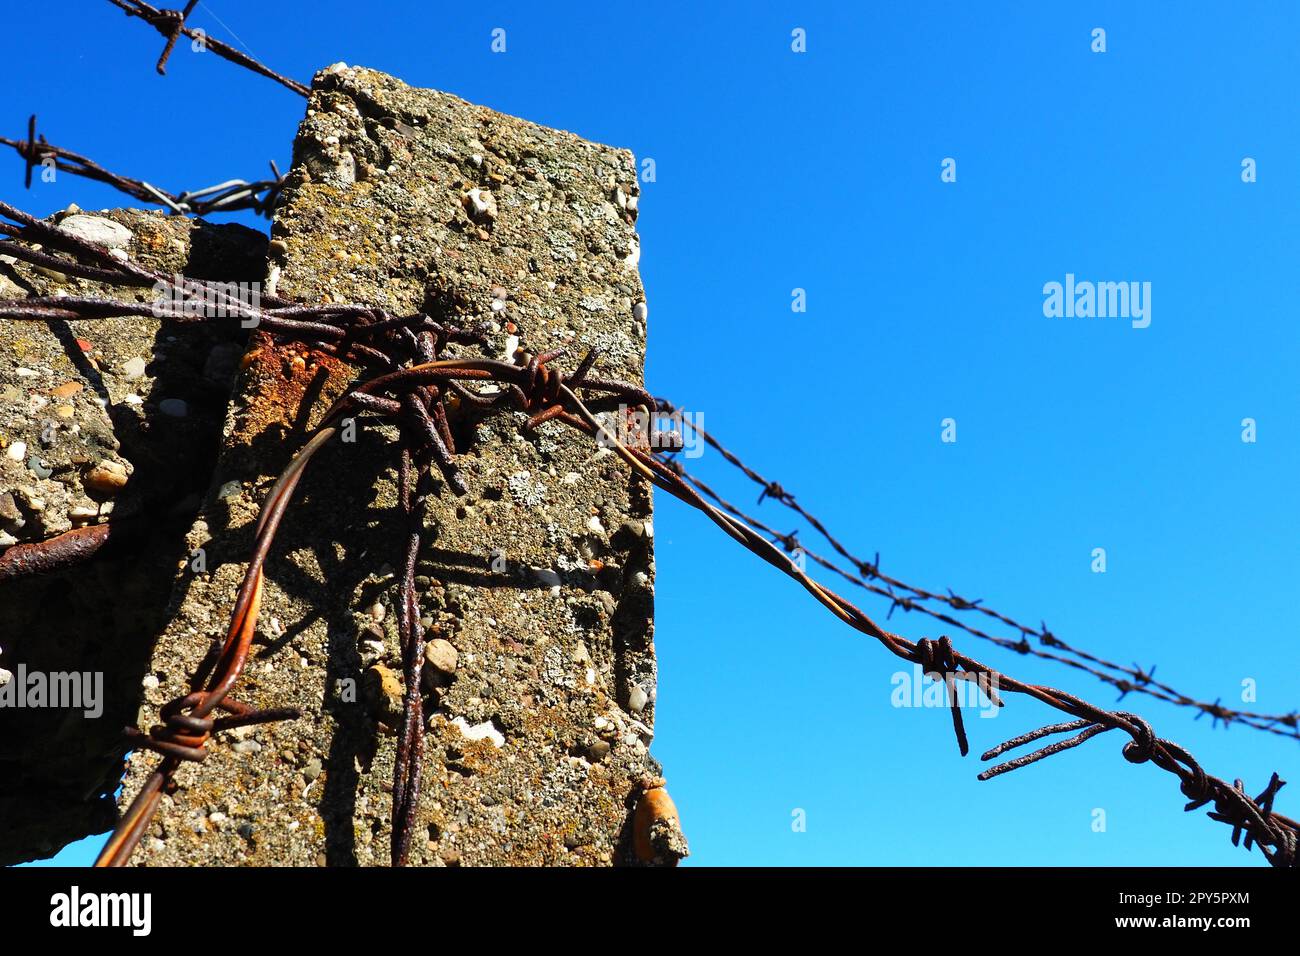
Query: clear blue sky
821,171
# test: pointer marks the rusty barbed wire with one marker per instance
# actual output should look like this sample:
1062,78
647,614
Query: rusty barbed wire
233,195
909,597
171,24
1126,679
410,385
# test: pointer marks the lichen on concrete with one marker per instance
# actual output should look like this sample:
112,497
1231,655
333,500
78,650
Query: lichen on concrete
536,589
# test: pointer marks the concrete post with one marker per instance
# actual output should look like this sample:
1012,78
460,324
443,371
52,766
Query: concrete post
537,588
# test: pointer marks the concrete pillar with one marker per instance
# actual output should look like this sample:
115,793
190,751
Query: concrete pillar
537,587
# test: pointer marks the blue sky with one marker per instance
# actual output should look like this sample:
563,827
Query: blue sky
820,170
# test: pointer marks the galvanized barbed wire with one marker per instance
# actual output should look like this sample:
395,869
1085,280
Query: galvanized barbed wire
1126,680
171,24
234,195
409,387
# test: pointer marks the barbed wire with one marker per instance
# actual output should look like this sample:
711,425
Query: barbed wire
171,24
406,379
1125,679
909,597
233,195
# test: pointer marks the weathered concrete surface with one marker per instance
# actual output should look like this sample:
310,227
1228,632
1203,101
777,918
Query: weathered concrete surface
537,740
83,403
